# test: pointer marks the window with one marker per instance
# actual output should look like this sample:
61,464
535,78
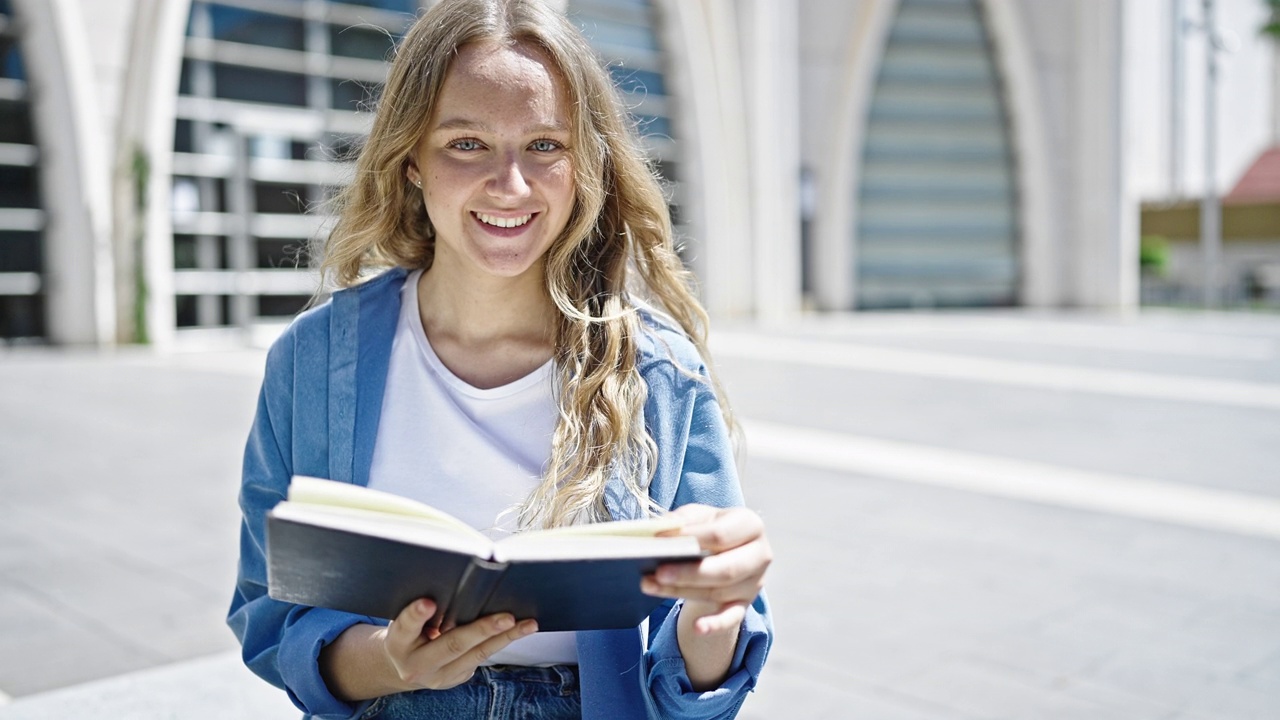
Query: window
288,198
273,254
641,82
361,42
626,35
232,82
15,122
937,219
10,59
354,95
401,6
270,97
22,304
20,251
18,187
234,24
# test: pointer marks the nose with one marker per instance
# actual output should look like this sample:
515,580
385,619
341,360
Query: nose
509,181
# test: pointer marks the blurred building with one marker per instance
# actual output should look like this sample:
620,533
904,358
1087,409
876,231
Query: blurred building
1167,135
163,163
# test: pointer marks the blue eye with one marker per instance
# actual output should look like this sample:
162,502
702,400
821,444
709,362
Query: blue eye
465,145
545,146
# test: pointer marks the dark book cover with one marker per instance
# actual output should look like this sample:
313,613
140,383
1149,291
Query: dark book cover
378,576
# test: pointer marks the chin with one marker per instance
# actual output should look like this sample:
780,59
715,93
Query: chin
509,262
506,265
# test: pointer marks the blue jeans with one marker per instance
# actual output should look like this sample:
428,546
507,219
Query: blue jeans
498,692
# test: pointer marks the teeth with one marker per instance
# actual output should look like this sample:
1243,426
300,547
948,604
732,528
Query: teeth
503,222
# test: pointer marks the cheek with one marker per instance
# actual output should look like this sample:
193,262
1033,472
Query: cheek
448,184
441,175
439,201
558,178
440,165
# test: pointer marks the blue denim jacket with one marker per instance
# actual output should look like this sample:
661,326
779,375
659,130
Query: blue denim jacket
318,414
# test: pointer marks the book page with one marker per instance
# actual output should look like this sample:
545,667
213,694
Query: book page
646,527
389,526
360,509
316,491
621,538
538,546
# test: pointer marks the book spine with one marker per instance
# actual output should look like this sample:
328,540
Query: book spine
474,589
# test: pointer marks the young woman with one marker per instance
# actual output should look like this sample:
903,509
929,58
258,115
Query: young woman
530,355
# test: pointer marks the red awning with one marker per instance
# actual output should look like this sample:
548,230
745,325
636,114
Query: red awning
1260,183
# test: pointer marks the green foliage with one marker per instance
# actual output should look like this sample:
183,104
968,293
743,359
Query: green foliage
141,168
1153,254
1272,27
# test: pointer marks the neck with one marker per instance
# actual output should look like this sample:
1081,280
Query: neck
479,311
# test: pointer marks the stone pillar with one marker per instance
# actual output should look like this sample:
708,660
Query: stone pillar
839,94
1104,253
145,239
713,136
75,183
771,67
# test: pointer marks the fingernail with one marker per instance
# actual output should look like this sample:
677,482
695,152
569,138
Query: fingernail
529,627
506,622
648,586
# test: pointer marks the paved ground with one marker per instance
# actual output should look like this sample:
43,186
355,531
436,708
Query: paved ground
975,516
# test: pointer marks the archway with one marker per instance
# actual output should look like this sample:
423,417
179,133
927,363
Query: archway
938,212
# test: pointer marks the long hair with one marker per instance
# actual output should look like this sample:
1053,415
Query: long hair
617,245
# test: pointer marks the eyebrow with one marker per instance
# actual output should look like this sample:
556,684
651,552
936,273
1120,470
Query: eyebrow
465,124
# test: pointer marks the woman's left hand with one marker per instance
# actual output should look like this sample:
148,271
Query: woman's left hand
718,588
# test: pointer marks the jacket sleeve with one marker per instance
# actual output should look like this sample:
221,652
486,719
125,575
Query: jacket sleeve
696,464
280,641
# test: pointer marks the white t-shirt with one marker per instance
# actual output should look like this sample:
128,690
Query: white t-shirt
476,454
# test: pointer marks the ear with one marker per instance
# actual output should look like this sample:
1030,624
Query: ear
411,172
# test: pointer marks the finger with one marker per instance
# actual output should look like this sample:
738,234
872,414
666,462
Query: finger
466,665
409,630
726,529
694,512
463,639
725,568
711,585
738,594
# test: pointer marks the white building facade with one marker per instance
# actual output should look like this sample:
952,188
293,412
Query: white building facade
165,162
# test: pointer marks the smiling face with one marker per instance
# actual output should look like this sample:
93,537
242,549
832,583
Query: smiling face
494,164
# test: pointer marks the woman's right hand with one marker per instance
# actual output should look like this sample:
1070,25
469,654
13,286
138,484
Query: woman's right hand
424,657
413,653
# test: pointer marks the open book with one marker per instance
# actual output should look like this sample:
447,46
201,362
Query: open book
346,547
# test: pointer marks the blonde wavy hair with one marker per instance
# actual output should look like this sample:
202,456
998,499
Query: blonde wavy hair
617,245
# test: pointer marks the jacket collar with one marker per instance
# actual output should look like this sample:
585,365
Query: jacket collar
361,328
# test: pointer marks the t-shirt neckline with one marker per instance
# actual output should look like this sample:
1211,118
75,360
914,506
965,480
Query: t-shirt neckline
411,322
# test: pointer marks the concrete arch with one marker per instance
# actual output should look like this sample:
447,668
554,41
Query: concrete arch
148,109
74,179
1016,63
701,41
837,174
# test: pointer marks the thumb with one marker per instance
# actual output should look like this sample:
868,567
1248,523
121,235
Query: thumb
412,626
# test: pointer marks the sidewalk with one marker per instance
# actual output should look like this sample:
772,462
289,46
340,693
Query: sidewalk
917,574
213,688
119,527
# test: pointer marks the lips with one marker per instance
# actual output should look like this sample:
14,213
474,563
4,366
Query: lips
503,222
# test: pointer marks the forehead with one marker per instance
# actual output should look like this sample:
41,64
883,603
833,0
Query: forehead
494,84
